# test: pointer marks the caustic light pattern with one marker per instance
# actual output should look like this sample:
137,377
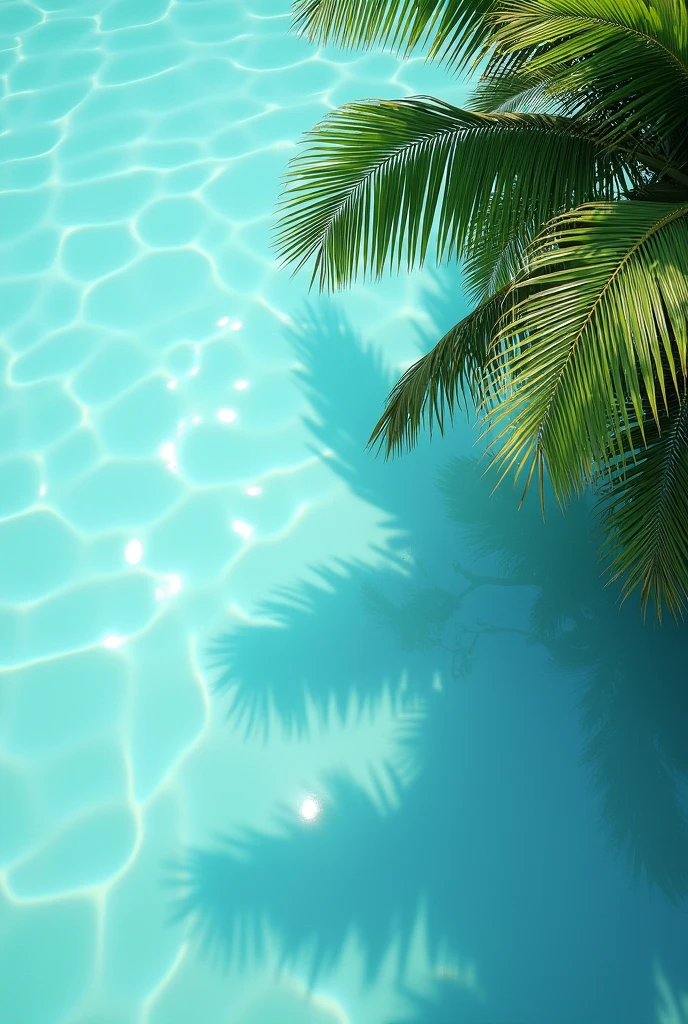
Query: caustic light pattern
157,478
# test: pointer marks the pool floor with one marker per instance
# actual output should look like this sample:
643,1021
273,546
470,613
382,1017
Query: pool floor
288,734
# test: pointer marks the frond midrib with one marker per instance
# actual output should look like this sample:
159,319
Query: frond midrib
588,19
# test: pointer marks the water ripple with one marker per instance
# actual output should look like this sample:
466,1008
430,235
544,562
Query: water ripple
149,399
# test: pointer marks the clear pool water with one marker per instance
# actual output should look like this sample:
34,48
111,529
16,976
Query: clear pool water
287,735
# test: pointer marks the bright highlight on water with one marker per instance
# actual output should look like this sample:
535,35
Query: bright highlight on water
310,809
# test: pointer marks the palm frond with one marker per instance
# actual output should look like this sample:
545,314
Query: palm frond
434,386
453,31
623,62
601,334
514,93
491,264
644,513
378,178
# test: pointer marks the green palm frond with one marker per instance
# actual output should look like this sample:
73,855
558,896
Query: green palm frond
602,330
433,387
624,62
378,178
514,93
452,30
644,513
492,264
564,191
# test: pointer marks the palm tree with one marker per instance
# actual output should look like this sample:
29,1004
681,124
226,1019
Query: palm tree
563,189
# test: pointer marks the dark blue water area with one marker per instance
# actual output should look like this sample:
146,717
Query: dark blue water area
544,831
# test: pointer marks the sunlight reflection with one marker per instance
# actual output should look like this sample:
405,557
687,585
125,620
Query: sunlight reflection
113,641
310,808
173,586
244,530
169,454
253,492
226,415
133,552
224,321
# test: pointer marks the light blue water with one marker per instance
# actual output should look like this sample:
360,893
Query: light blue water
186,500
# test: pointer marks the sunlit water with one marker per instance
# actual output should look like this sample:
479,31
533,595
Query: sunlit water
287,735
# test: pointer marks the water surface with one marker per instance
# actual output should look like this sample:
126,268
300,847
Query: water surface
217,606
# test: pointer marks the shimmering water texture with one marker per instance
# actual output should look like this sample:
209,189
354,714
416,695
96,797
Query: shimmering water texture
287,735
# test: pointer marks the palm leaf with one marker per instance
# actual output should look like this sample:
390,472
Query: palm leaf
513,92
644,513
435,384
623,62
492,263
379,178
454,31
602,330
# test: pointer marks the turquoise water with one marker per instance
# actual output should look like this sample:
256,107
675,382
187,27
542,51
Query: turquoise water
287,735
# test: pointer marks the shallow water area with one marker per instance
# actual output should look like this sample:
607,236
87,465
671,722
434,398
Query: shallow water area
287,733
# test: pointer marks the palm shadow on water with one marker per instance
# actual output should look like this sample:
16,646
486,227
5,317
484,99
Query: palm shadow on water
633,691
486,838
346,386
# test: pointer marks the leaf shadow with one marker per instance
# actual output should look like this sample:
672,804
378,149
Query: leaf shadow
345,385
464,582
